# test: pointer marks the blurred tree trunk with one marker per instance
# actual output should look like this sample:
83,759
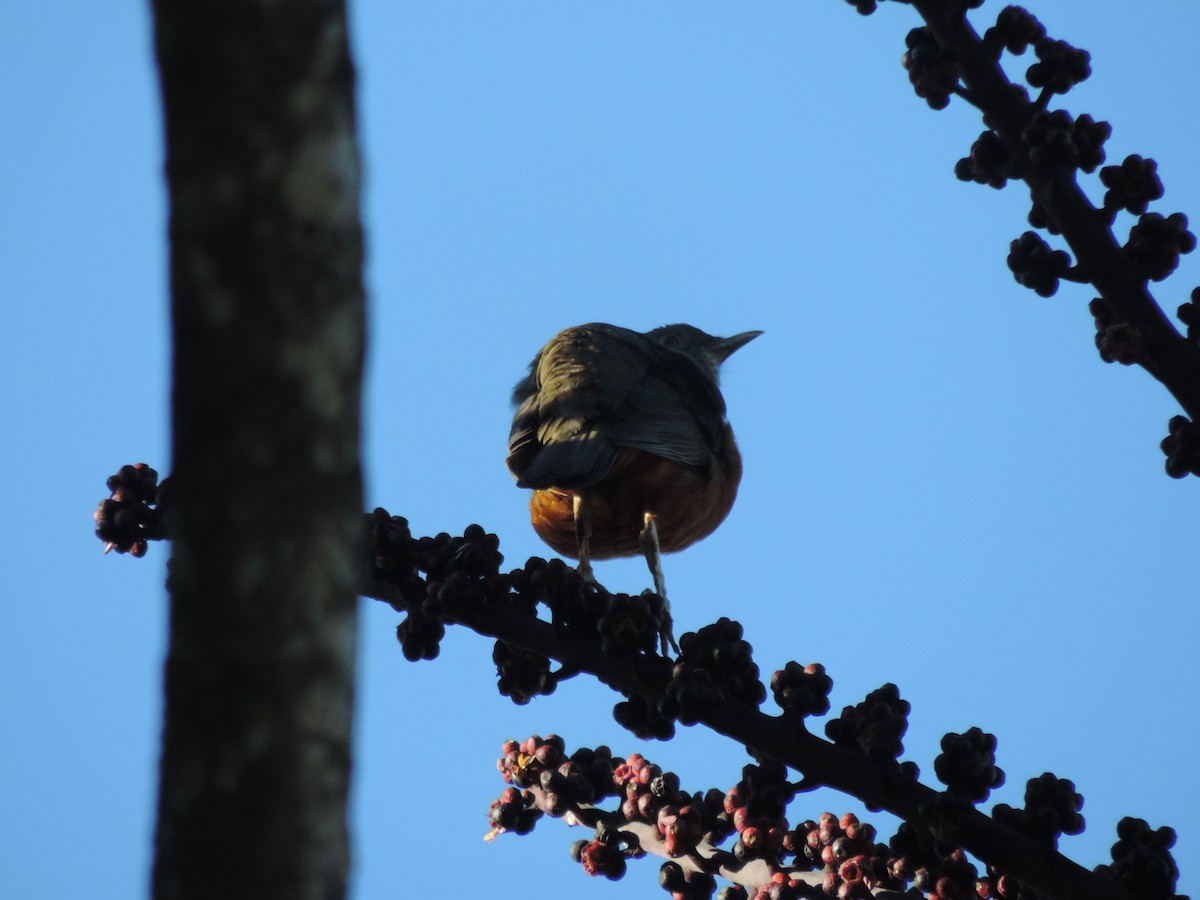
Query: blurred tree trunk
266,495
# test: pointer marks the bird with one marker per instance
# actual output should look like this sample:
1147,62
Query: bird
623,438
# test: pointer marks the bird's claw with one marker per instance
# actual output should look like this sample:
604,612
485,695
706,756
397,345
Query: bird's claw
667,641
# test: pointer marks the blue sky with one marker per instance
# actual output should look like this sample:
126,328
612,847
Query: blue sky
945,487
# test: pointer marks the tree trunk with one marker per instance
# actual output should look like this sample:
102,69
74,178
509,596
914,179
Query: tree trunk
266,489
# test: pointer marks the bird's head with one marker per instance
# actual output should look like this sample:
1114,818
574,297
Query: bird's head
709,351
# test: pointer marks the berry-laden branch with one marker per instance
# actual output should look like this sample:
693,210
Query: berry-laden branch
770,859
444,580
1046,148
655,816
715,682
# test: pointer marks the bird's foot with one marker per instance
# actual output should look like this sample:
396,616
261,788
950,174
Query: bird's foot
666,636
648,538
585,572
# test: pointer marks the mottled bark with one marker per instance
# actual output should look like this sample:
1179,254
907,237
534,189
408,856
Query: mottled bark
267,312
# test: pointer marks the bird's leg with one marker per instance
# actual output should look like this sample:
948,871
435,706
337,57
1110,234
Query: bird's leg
583,537
649,541
648,538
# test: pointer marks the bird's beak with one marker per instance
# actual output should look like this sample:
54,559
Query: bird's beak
723,348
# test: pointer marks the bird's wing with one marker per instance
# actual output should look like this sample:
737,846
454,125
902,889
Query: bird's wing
557,437
597,388
675,411
657,417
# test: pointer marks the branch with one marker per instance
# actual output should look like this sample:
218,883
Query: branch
819,761
1046,149
462,587
443,580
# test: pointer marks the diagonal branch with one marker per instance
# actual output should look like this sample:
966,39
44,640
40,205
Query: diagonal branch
445,580
1165,353
785,740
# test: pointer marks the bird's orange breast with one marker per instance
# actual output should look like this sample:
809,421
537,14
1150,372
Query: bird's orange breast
687,503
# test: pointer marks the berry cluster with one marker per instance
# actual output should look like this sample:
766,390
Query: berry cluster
829,840
634,778
393,553
967,764
606,853
476,554
714,664
471,564
988,163
680,828
1156,243
1059,67
460,573
1182,447
134,514
1117,341
584,777
683,885
420,636
932,70
1015,30
629,625
514,811
845,849
802,690
1051,809
756,807
1035,265
522,674
1142,862
561,589
681,820
875,726
643,719
1132,185
1054,139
